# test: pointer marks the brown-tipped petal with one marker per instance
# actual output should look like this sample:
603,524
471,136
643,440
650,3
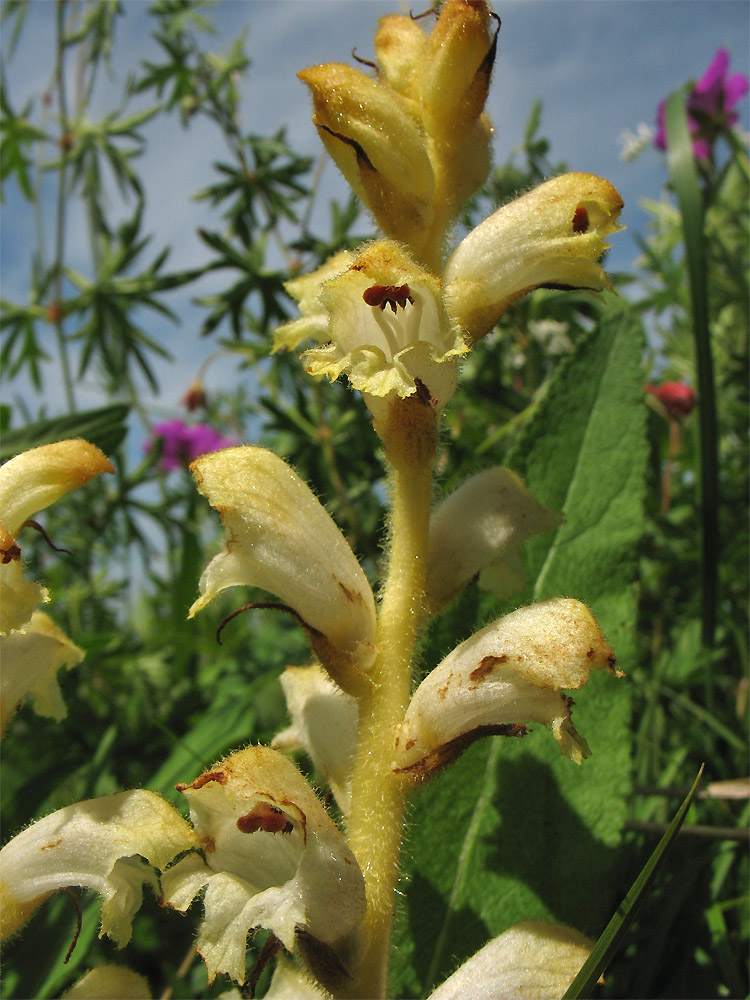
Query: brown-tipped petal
98,844
37,478
506,675
281,538
552,236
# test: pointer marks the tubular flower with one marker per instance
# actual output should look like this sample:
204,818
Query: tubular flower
414,142
478,529
273,859
534,960
395,329
99,844
507,674
281,538
324,725
32,647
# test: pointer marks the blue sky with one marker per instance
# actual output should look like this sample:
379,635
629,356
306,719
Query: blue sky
599,66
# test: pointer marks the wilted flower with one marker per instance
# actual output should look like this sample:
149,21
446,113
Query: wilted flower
194,397
182,443
676,398
710,106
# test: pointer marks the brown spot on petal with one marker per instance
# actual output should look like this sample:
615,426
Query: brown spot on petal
265,817
208,843
49,847
202,780
580,220
486,666
351,595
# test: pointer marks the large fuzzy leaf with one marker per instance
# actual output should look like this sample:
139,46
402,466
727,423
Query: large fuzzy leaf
514,831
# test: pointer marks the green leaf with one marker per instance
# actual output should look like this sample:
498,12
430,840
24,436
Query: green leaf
104,427
514,831
612,935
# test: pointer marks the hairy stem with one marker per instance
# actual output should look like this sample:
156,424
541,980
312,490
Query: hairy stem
379,796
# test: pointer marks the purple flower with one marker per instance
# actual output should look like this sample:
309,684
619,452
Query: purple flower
185,442
710,106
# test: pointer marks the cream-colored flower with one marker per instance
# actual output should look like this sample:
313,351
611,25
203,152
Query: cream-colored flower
273,859
413,142
30,661
281,538
506,675
99,844
395,329
32,648
324,725
478,529
28,483
534,960
381,321
109,982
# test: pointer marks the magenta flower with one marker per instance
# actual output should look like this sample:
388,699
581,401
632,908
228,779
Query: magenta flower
183,443
710,106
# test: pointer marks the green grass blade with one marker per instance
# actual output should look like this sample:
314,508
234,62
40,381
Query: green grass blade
684,178
610,938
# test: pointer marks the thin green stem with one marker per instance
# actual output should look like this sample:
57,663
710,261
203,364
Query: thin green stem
379,796
685,180
60,214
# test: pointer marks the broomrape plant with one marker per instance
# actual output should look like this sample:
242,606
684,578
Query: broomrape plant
395,317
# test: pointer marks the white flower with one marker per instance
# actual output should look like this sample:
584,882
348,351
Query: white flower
99,844
274,859
32,648
506,675
534,960
281,538
478,529
396,329
324,725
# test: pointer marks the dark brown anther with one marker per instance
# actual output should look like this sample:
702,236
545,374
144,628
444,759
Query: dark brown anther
388,295
580,220
265,817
